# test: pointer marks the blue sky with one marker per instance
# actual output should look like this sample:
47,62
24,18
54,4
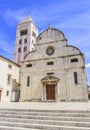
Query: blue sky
72,17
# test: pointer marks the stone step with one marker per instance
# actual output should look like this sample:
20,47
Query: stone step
77,119
22,119
47,122
41,126
44,113
46,117
13,128
36,110
43,116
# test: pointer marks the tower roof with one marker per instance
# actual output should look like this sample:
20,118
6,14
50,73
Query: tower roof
26,19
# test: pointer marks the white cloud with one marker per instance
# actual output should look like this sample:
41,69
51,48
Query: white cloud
88,65
75,21
12,17
5,43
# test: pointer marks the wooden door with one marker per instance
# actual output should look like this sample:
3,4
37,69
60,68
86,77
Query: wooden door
50,92
0,94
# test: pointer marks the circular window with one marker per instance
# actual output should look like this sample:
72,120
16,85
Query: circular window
50,50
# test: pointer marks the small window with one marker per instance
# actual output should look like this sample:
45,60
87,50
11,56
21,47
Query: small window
75,78
29,65
25,48
24,32
20,41
10,66
50,63
7,93
9,79
19,49
28,81
25,40
50,73
74,60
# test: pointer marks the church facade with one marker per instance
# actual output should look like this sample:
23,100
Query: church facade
53,71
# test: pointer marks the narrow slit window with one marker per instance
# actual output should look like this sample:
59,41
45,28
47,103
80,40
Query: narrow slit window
75,78
7,93
8,79
28,81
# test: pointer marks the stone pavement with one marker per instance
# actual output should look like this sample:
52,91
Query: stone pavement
47,105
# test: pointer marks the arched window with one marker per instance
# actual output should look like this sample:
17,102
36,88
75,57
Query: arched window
25,40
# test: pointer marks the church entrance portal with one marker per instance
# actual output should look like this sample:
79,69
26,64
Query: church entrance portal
50,92
50,88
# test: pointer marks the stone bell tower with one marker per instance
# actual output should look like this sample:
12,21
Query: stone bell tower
25,38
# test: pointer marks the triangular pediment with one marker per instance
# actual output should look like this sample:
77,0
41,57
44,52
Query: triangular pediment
49,78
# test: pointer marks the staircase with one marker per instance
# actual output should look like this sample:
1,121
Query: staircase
27,119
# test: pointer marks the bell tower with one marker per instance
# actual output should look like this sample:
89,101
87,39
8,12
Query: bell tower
25,38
